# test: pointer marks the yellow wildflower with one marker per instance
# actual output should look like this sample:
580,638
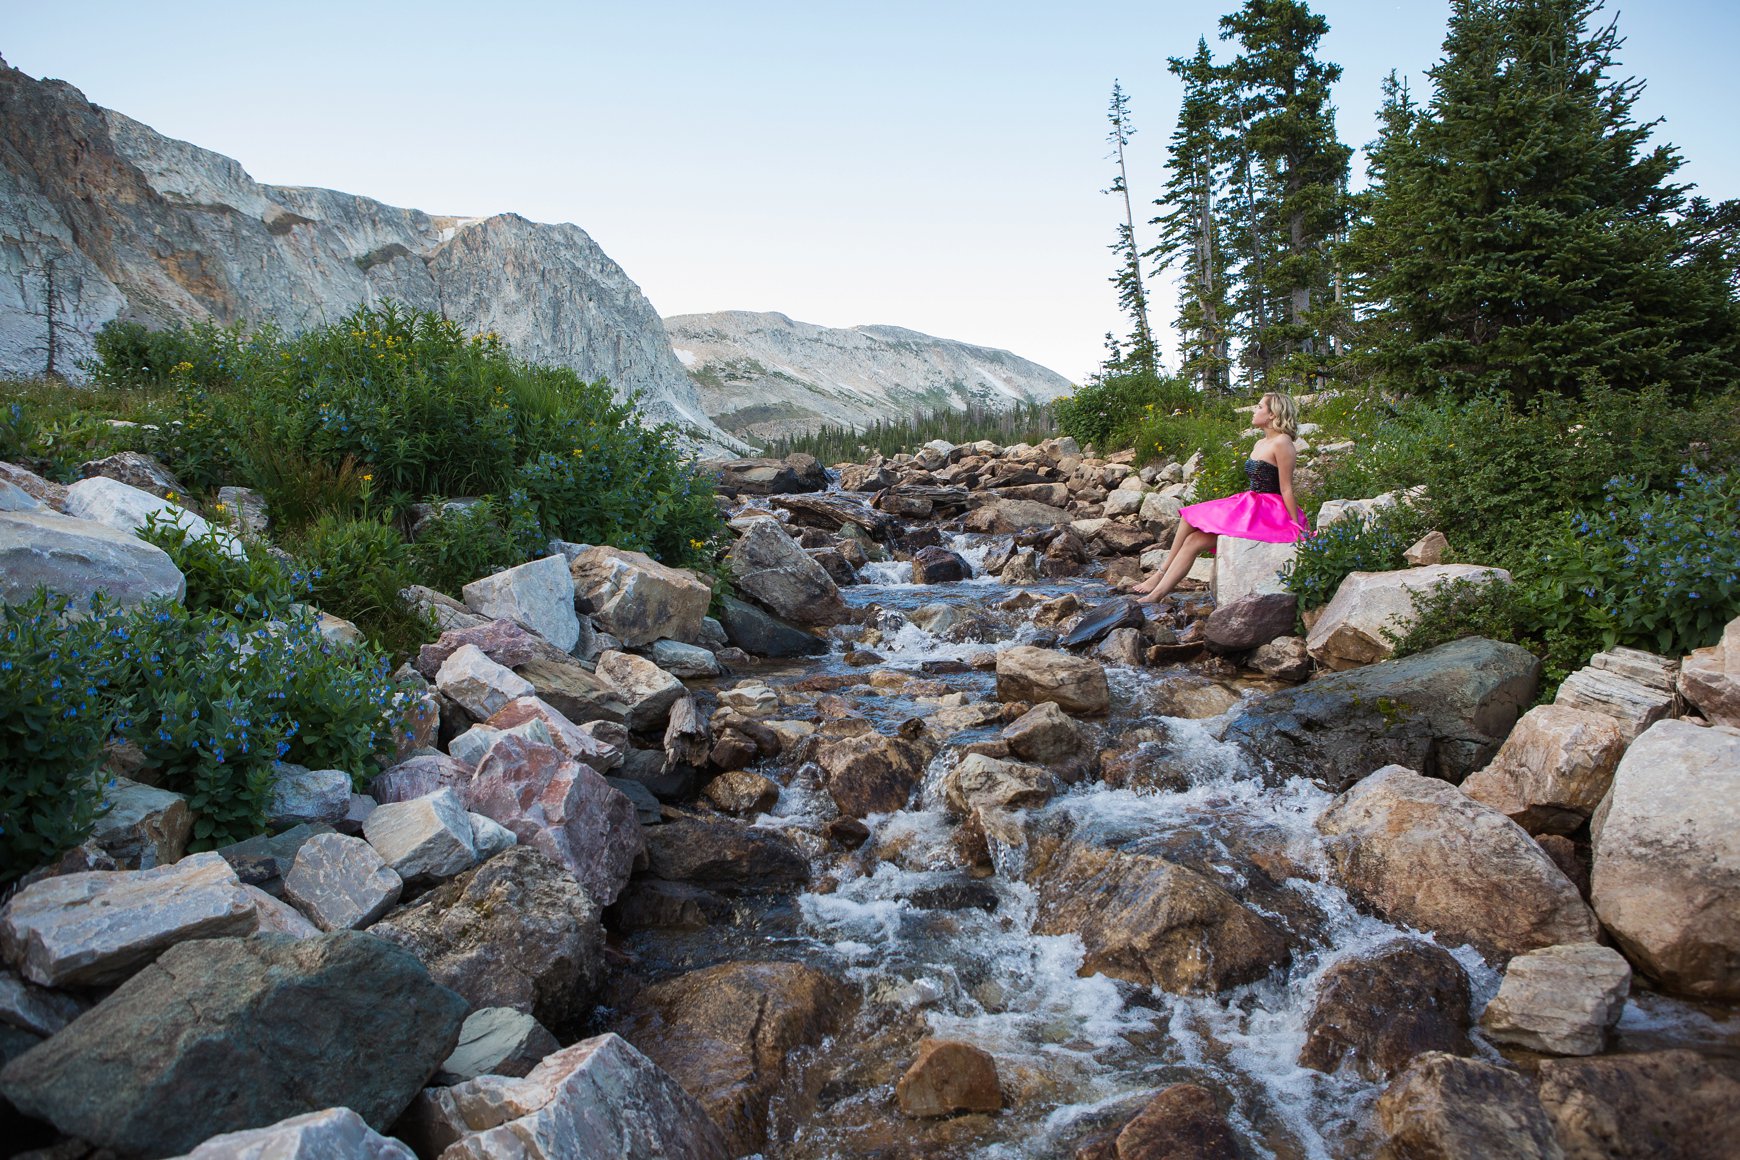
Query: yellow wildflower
368,478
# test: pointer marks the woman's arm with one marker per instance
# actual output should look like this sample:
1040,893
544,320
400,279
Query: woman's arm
1285,457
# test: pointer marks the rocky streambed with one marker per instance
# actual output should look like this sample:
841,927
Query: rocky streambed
931,845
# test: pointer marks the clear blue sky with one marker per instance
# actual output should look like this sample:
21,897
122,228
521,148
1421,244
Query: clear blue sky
931,165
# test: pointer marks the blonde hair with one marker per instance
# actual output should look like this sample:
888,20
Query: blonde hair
1284,411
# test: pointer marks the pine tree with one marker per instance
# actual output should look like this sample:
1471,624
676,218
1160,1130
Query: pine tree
1521,234
1289,178
1191,224
1140,353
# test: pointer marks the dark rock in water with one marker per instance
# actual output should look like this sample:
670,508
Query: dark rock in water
727,1033
518,931
220,1035
1251,621
653,903
1099,621
1159,655
939,566
956,892
1380,1010
722,853
835,565
664,781
1443,712
863,657
918,539
1181,1122
849,832
942,668
764,635
834,511
264,860
948,1077
1666,1105
872,772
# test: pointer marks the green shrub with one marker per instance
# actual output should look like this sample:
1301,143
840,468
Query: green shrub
1107,411
1653,570
129,354
462,544
1499,610
1371,542
356,569
55,714
251,587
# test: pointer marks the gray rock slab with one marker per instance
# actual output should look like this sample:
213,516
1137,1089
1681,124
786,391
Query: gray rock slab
142,826
302,795
77,558
38,1010
332,1134
498,1041
96,928
538,595
1561,1000
427,837
229,1034
125,509
340,883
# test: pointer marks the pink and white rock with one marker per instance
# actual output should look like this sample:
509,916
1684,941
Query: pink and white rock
142,826
1710,678
479,685
554,804
647,690
538,595
579,742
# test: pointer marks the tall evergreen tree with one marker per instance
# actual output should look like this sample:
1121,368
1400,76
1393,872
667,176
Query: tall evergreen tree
1191,222
1521,233
1289,176
1140,353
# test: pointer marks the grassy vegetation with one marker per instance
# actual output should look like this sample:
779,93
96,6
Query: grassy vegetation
1024,423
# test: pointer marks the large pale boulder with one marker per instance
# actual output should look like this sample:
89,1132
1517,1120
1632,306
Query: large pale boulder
1635,696
1710,678
538,595
561,807
1350,631
332,1134
599,1098
479,685
517,931
978,781
306,796
1444,712
136,469
1075,684
77,558
1248,567
1666,874
96,928
1419,851
1553,769
227,1034
1561,1000
638,600
1378,1010
125,509
728,1034
770,568
1447,1108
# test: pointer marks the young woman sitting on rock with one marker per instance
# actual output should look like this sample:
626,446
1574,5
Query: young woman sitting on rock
1267,511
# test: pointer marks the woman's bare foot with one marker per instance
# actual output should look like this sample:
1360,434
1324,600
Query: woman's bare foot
1148,597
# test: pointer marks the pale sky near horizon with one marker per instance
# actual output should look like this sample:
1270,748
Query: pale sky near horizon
935,166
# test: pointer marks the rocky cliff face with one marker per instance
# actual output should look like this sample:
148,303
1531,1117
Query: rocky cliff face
765,375
125,222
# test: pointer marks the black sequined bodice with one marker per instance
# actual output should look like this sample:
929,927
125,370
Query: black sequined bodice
1265,477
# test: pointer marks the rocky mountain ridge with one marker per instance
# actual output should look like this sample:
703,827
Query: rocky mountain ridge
103,217
766,375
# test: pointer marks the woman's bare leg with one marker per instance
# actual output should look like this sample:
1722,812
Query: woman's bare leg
1182,532
1192,546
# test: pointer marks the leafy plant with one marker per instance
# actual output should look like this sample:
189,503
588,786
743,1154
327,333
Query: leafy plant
1107,411
1371,542
254,586
1499,610
55,715
356,569
463,543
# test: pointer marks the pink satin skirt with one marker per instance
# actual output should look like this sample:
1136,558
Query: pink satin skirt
1249,515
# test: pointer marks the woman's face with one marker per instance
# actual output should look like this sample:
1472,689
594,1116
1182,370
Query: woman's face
1261,417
